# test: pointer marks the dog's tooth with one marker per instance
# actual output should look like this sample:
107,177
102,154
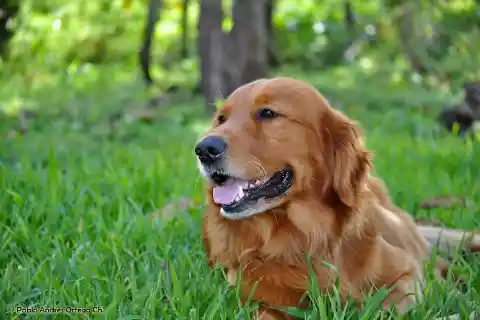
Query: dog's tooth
240,192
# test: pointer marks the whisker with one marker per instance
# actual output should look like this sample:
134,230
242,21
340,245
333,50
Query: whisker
197,180
263,173
275,217
316,180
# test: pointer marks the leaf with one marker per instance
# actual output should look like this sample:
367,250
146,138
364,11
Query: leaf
127,4
373,304
476,131
455,128
145,115
296,312
443,201
219,103
170,210
425,222
212,309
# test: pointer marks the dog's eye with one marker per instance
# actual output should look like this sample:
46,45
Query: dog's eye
221,119
266,114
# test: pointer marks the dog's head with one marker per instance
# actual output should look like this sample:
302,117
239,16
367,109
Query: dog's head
276,140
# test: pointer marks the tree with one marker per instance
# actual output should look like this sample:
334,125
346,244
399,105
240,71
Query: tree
153,15
8,10
184,24
229,60
210,38
272,50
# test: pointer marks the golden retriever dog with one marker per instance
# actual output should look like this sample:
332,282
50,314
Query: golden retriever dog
289,177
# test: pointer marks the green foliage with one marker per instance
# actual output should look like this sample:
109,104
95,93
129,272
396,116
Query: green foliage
56,36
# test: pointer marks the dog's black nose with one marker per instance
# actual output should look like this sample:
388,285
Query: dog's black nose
210,149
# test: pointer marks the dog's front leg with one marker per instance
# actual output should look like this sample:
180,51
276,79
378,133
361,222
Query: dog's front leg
267,292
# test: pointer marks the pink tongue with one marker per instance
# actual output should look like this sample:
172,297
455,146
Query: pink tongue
225,194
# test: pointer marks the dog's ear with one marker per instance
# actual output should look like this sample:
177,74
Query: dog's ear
347,161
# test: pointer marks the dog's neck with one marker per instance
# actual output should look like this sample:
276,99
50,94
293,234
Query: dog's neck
268,234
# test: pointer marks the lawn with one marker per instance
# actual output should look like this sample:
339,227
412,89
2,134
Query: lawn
88,213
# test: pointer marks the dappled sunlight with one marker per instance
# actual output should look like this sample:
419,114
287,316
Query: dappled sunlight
13,106
367,65
460,5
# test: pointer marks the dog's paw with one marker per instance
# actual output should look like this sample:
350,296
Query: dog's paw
404,295
267,314
403,304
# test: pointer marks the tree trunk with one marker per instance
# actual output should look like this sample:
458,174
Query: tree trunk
210,48
228,61
153,15
272,49
8,11
408,38
349,17
246,45
184,24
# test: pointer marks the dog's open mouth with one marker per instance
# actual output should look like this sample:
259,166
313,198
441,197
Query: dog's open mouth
235,195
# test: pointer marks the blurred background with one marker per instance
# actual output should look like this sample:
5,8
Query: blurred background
210,47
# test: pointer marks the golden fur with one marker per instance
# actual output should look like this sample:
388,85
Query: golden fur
335,211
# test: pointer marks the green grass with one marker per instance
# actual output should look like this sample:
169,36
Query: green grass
78,196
